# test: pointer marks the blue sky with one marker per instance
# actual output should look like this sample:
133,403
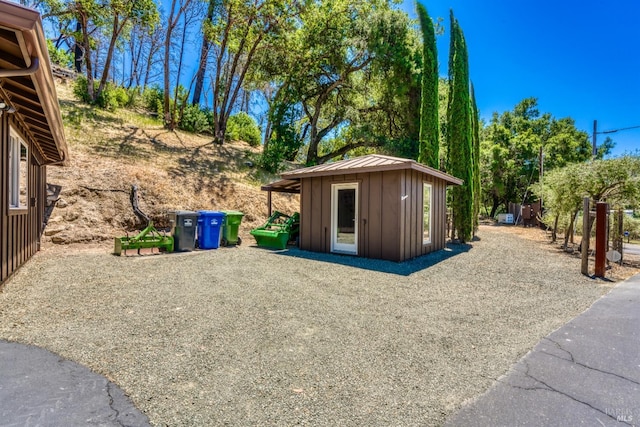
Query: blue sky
579,58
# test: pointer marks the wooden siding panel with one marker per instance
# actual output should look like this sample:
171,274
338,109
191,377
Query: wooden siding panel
363,200
416,217
405,214
326,213
306,214
439,214
435,227
390,215
375,215
4,197
316,208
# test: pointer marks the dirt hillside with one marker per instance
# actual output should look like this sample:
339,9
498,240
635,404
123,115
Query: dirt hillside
110,152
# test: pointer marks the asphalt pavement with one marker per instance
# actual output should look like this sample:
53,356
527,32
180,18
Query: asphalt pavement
39,388
631,249
585,373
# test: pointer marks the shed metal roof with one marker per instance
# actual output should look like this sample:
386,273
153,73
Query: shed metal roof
290,182
368,163
26,81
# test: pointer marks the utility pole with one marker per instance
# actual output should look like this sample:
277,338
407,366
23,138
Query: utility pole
595,131
541,178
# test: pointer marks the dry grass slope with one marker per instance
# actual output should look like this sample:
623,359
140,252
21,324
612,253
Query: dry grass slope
173,170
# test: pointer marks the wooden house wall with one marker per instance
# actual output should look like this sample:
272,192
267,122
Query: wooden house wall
20,231
389,227
411,227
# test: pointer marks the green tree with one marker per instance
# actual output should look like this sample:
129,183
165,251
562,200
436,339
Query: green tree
511,148
615,181
350,66
429,133
475,137
97,22
242,32
459,134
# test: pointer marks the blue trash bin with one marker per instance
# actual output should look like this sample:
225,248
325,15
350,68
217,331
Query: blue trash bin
209,225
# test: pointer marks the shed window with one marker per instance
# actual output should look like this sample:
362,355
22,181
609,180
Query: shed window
426,213
18,172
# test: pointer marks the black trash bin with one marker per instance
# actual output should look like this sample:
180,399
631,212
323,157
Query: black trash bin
183,230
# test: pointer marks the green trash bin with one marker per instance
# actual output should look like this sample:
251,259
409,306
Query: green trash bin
230,227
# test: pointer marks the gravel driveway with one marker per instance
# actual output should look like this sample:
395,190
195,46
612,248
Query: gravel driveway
250,337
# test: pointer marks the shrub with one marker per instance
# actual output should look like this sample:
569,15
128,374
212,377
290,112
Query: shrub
59,56
80,89
194,119
243,127
111,98
153,100
272,157
632,225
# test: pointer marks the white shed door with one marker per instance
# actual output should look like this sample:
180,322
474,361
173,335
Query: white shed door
344,218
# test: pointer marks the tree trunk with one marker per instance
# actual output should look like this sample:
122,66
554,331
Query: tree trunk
117,28
569,231
77,50
87,56
177,118
494,206
204,54
554,232
573,228
168,118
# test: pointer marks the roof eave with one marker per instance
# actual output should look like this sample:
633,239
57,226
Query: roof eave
27,25
450,180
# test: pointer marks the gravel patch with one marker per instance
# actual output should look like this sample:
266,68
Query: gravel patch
246,336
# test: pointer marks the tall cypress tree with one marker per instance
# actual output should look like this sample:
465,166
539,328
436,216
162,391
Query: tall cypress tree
475,117
429,153
459,132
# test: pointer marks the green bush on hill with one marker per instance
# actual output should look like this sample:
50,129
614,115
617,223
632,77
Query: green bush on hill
111,98
194,119
243,127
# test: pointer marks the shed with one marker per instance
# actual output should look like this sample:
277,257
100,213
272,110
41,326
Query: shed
373,206
31,133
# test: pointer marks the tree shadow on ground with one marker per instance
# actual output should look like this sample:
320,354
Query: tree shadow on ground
405,268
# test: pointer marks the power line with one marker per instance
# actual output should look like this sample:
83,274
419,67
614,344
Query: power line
617,130
595,132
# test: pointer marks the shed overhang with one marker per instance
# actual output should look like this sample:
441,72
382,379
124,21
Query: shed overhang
283,186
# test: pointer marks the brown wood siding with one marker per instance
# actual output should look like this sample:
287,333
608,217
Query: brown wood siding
316,212
411,227
391,215
325,212
20,231
305,214
390,227
374,215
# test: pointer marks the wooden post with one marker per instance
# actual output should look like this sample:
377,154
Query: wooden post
585,236
620,237
269,202
601,238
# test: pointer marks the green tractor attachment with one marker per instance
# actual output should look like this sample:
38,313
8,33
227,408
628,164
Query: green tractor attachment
147,238
277,231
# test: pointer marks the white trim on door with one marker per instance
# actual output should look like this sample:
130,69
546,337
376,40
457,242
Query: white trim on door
339,243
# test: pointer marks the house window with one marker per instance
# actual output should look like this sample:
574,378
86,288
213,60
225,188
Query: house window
426,213
18,172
